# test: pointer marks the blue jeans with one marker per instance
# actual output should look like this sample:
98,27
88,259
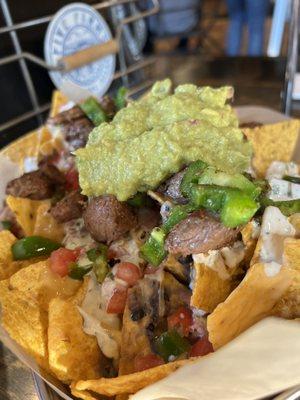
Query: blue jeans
252,13
175,17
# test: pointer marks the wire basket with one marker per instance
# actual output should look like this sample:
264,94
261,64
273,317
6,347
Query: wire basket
132,73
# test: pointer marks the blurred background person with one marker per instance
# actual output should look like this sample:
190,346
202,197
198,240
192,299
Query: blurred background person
250,13
175,20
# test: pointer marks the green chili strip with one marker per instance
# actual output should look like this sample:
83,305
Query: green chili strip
293,179
287,208
171,344
6,225
98,256
120,98
153,250
191,176
77,271
93,110
33,246
140,200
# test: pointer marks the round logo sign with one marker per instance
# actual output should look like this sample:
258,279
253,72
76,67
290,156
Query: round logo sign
76,27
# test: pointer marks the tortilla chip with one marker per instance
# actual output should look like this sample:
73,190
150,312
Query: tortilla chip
25,322
45,225
250,238
289,305
25,211
295,221
172,265
7,267
34,217
82,394
251,301
41,285
176,293
58,101
73,354
274,142
129,383
209,288
134,342
26,146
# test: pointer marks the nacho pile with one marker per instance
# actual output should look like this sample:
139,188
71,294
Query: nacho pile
111,296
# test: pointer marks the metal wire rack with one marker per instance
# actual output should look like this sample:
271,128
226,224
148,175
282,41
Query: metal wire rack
23,57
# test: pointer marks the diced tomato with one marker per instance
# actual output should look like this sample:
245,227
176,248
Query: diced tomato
128,272
201,347
61,259
181,320
72,179
148,361
117,301
111,254
79,251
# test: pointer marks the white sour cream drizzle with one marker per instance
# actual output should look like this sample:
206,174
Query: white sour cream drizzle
220,260
275,228
255,229
278,169
282,190
30,164
97,322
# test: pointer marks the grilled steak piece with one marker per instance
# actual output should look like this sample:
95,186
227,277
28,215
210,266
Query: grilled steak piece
252,124
53,174
70,207
171,188
65,117
74,125
33,185
148,218
107,219
108,106
36,185
199,233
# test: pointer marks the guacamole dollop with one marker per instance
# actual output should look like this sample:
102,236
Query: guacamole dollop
156,136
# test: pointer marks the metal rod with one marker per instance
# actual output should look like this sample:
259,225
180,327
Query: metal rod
135,67
134,18
140,87
291,65
15,121
20,56
44,20
22,62
30,57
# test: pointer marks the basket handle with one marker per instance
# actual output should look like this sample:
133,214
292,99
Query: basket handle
88,55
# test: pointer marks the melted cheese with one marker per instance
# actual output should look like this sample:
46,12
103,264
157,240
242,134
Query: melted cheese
77,236
127,249
97,322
